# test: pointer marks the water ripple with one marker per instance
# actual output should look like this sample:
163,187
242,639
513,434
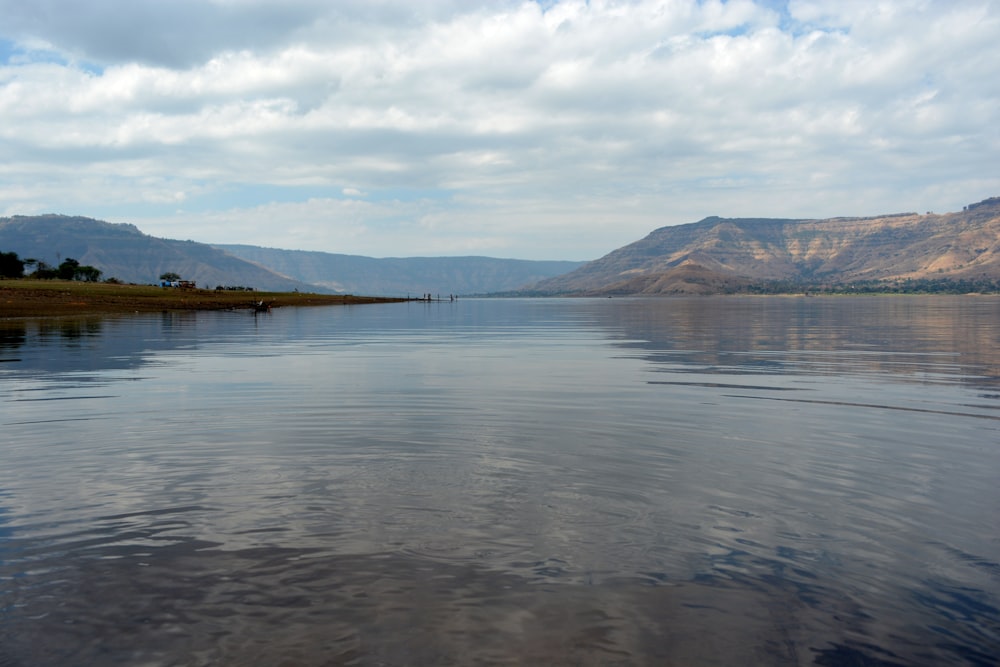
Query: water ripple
501,483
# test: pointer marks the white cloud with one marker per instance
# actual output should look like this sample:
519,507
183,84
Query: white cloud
387,128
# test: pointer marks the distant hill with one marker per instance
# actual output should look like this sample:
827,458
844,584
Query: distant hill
122,251
400,276
735,254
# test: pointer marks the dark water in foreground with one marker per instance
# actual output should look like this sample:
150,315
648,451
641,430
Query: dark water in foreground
771,481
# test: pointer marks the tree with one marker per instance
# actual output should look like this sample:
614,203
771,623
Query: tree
68,268
11,266
170,276
87,274
44,271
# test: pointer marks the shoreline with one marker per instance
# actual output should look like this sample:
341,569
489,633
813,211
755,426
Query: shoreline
25,298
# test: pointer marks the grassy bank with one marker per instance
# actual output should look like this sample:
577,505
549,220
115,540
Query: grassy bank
57,298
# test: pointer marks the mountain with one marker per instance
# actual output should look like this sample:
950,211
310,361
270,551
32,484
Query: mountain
403,275
734,254
123,252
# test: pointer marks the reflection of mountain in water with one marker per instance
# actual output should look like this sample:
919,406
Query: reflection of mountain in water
89,345
920,336
915,336
491,482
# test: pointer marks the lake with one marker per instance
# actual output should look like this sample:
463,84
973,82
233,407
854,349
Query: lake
676,481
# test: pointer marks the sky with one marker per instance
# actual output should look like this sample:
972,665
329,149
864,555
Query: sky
554,129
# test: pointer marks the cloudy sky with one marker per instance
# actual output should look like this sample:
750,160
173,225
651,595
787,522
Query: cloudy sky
555,129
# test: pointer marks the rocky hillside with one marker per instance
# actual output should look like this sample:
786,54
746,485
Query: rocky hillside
723,254
122,251
399,276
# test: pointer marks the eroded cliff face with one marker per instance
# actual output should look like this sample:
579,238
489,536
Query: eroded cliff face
717,254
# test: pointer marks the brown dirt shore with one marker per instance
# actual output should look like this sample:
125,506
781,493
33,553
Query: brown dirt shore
58,298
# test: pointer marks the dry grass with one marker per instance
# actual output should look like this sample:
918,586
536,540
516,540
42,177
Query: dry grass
56,298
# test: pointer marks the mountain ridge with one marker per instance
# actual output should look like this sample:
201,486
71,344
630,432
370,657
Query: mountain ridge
401,275
726,254
712,255
122,251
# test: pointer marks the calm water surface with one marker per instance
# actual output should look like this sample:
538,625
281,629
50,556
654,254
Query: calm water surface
704,481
